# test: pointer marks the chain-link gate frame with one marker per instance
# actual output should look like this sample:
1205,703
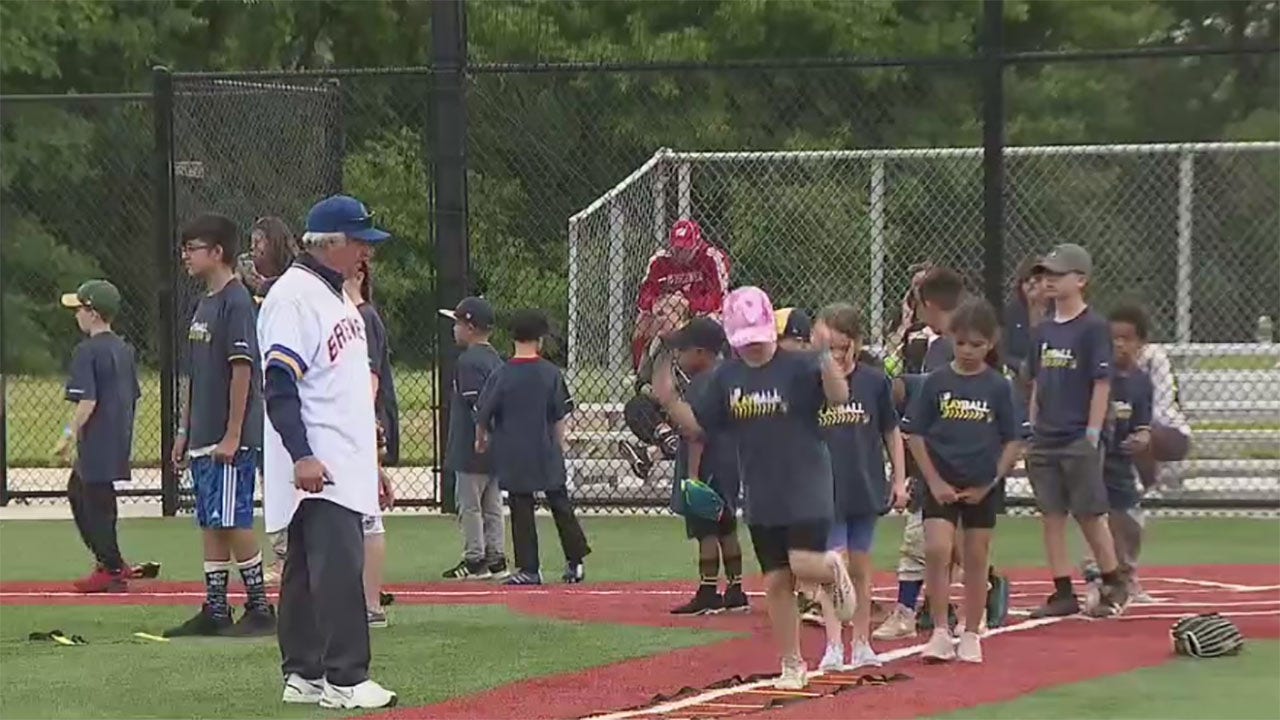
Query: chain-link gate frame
855,237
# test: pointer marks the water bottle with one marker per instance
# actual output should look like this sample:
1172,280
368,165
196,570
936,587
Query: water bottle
1265,331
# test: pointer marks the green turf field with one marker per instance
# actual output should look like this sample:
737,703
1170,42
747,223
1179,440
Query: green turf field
419,654
625,548
1246,686
120,677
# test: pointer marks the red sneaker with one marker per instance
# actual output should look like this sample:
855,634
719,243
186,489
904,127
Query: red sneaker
102,580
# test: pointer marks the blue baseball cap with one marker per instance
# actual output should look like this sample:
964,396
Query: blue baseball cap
347,215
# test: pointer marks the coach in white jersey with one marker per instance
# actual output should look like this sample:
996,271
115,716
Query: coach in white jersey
321,459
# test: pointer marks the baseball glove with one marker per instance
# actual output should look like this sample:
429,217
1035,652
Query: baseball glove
1205,636
700,500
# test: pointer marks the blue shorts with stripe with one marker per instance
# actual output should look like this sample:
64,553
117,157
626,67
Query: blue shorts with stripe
224,492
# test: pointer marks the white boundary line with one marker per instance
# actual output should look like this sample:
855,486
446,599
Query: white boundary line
710,695
1213,584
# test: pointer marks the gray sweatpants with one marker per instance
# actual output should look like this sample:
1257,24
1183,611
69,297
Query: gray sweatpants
480,514
323,630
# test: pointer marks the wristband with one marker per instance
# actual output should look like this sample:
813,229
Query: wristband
1094,434
182,432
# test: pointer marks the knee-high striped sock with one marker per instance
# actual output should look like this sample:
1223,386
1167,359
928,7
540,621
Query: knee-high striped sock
254,585
216,575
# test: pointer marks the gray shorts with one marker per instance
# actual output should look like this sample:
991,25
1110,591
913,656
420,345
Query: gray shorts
1068,479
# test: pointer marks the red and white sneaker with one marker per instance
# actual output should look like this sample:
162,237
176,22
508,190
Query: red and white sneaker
103,580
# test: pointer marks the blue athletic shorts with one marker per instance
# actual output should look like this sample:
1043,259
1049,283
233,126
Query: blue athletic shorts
853,533
224,493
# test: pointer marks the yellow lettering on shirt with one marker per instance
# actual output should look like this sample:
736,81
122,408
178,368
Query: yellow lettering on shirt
850,413
760,403
964,409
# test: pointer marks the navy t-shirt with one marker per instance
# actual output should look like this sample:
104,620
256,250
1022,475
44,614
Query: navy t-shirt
103,369
521,404
223,331
1131,401
965,421
1066,360
772,413
719,465
472,371
385,405
854,433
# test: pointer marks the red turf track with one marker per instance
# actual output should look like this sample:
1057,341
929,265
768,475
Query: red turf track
1014,664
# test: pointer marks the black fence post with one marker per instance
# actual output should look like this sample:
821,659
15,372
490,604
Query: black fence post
162,171
993,151
336,139
447,155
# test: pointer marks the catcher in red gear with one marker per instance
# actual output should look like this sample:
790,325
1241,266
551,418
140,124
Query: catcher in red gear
689,272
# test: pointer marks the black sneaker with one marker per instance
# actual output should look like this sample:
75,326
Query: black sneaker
467,571
498,569
203,624
386,598
637,457
704,602
255,622
145,571
735,601
1057,606
574,573
523,577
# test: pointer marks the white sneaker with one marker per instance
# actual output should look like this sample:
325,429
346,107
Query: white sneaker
368,695
862,655
794,676
301,691
901,623
843,595
833,658
970,648
940,647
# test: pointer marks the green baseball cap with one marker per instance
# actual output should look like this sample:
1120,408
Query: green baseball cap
1066,258
97,295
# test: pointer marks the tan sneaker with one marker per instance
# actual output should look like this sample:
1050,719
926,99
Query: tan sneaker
970,648
940,647
795,676
901,623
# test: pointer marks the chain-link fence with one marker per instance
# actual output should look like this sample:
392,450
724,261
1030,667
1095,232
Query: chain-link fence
249,148
75,204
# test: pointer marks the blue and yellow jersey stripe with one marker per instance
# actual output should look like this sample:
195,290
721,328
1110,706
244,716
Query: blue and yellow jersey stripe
282,357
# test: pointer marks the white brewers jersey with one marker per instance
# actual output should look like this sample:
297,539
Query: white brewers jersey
317,334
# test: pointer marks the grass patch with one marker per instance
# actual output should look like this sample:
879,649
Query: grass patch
624,548
36,413
1236,687
430,654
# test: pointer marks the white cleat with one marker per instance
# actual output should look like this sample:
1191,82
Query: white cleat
833,658
970,648
368,695
301,691
861,655
940,647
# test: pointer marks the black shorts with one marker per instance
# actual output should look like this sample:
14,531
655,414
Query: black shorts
699,528
978,517
773,543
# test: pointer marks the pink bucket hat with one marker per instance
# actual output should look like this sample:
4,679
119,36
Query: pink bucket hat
748,317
